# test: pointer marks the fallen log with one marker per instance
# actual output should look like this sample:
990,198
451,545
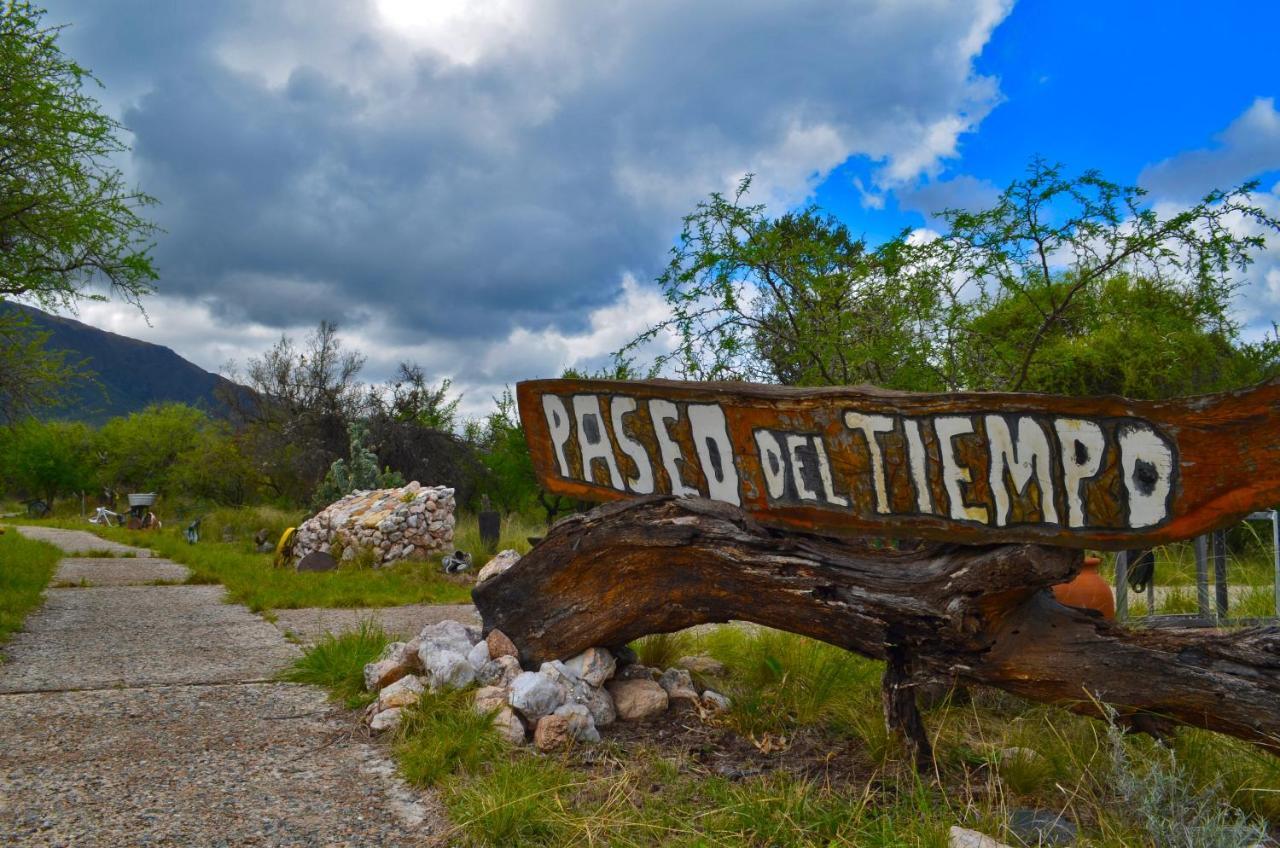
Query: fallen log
975,614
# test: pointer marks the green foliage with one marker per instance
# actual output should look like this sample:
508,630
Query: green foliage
336,662
66,217
442,734
47,460
358,473
499,439
32,377
25,568
139,452
1070,284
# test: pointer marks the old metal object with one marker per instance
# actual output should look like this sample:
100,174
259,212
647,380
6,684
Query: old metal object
981,468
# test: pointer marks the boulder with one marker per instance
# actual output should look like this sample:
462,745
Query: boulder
448,670
581,726
534,695
500,563
385,720
678,685
594,665
500,645
638,700
317,561
403,693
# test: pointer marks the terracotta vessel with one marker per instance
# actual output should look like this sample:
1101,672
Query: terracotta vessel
1088,590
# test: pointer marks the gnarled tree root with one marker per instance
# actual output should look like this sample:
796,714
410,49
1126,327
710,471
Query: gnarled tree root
973,614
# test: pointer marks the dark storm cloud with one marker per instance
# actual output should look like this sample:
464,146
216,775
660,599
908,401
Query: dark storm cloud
313,166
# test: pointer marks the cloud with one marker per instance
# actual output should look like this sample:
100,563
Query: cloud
961,192
1249,146
471,176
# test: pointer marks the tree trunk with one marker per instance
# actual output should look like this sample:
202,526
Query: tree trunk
972,614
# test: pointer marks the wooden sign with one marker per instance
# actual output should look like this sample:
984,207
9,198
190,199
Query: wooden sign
1099,472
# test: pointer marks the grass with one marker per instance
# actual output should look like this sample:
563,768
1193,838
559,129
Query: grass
514,535
252,580
821,770
336,662
26,567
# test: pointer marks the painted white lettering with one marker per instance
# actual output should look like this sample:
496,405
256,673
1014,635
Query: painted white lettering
1082,446
824,471
772,463
870,425
715,451
1146,463
794,443
1026,458
947,427
642,483
662,411
558,427
916,458
593,441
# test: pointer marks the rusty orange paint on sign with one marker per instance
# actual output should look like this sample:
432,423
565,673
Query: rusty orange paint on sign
976,468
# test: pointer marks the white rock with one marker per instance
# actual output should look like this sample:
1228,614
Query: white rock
601,707
381,673
534,695
716,702
960,837
594,665
404,692
448,635
478,655
500,563
385,720
581,726
499,672
448,670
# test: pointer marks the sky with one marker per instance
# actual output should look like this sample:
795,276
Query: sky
490,187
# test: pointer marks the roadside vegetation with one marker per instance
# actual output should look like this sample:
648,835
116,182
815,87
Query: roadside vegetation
803,759
26,567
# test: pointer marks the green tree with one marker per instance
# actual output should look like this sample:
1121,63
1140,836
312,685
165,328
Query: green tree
359,472
215,468
1065,284
31,376
140,452
67,219
47,460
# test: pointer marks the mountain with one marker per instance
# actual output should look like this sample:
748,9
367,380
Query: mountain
130,374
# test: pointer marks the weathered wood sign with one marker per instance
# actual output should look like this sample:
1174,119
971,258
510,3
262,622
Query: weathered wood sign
981,467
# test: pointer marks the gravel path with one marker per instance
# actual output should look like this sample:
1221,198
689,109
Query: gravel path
118,571
144,715
80,542
310,623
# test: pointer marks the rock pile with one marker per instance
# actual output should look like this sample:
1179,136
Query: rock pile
560,703
395,524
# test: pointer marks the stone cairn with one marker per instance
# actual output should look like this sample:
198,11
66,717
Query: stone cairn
563,702
406,523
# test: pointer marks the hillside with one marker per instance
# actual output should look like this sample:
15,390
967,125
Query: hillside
131,374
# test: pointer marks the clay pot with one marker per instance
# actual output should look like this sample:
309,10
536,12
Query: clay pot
1088,590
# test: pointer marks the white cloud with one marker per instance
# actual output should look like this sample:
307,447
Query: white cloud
1249,146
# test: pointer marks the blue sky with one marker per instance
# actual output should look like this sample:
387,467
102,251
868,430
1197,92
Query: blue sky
489,187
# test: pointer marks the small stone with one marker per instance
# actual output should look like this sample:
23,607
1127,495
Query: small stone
509,725
960,837
594,665
499,672
638,700
385,720
478,655
381,673
490,698
600,705
715,702
534,695
703,665
678,684
551,733
500,645
448,670
500,563
447,635
404,692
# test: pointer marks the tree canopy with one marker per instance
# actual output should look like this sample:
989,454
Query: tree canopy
1067,284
